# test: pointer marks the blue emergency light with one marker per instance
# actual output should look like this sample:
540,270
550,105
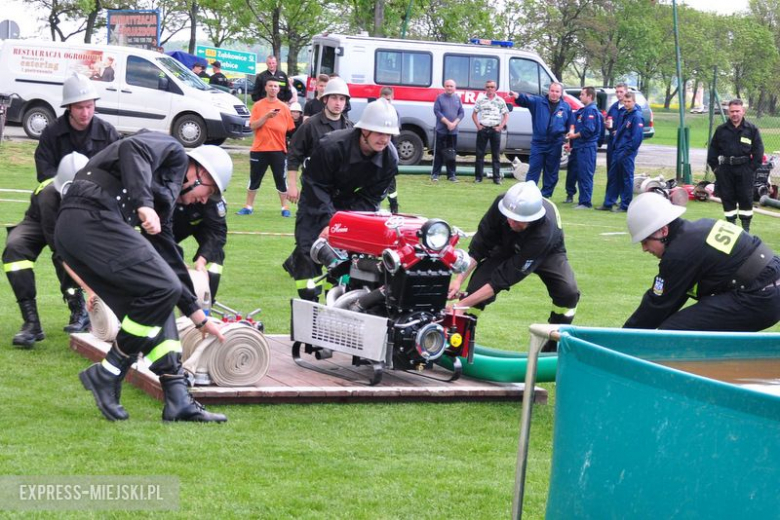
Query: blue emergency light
495,43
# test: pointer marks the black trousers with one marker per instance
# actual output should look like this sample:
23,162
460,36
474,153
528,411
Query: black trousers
485,136
123,268
23,247
556,274
259,163
735,187
735,311
443,142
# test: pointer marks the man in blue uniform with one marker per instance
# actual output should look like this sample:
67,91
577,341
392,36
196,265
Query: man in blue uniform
550,115
733,275
586,128
626,143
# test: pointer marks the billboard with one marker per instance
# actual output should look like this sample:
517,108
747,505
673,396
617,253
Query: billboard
139,28
59,62
236,62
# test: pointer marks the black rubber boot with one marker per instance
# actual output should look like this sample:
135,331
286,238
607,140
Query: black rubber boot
31,328
179,404
106,384
745,223
393,205
79,318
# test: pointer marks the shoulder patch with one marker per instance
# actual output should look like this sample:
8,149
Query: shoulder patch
221,209
527,265
658,286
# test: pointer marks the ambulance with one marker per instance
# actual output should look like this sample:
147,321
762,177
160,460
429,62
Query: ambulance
137,88
416,70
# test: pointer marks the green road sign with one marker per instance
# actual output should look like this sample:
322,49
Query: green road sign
232,61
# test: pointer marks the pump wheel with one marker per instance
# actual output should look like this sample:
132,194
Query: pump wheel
190,130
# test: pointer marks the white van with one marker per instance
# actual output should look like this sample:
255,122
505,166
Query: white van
417,70
138,89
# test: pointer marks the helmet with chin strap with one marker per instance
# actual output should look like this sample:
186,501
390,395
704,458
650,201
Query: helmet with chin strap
217,162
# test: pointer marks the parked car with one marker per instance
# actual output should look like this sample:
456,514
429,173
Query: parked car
704,109
241,85
605,97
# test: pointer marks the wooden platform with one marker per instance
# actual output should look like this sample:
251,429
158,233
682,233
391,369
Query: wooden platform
286,382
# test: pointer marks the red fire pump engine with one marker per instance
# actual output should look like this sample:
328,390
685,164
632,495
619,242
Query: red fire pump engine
390,276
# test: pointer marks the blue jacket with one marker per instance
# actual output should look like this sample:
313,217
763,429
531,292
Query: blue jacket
548,128
617,115
628,136
587,122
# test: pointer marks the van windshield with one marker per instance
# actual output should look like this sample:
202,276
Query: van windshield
185,75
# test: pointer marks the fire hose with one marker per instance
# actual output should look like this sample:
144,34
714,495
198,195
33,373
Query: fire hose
242,360
104,324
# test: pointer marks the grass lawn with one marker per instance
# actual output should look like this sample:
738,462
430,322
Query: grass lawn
367,461
666,123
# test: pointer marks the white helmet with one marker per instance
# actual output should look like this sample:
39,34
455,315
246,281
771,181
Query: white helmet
379,116
69,166
648,213
336,86
523,202
76,89
217,162
296,107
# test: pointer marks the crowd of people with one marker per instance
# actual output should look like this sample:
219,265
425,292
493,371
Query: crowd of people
96,190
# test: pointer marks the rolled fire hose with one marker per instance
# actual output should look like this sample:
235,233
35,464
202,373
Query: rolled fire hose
104,324
242,360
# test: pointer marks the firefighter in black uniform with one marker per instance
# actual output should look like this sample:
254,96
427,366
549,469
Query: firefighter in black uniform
350,170
733,275
206,222
77,130
140,276
272,72
735,153
335,98
520,234
24,245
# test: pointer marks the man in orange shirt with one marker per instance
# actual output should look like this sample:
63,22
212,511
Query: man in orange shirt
271,120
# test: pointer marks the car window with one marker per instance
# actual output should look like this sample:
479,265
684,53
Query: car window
471,71
524,76
175,68
143,73
403,68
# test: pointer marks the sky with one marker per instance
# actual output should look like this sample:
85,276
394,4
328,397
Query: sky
21,12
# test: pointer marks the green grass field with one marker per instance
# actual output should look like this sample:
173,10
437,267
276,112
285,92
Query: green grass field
366,461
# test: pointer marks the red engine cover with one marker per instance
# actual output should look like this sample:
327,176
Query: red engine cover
372,233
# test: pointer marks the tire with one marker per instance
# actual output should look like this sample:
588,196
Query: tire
190,130
35,119
217,142
410,148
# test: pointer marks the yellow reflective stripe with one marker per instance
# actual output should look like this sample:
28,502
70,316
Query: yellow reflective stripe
693,292
566,311
111,368
393,195
309,283
136,329
42,185
745,212
196,222
18,266
214,268
732,213
723,236
169,345
557,214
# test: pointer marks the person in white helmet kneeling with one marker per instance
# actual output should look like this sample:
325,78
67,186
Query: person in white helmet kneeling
519,235
733,275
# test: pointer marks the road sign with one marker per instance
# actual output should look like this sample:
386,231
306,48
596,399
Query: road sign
232,61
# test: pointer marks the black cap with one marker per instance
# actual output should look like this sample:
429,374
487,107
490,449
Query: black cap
216,64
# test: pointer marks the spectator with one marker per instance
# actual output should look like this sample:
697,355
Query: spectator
217,78
519,235
285,94
305,141
583,138
271,120
297,114
200,70
490,117
315,105
449,113
736,151
350,170
550,115
732,274
626,143
392,193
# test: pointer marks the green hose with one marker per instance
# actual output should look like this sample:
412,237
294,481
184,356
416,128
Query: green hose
503,366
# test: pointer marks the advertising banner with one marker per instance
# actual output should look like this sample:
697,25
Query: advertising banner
139,28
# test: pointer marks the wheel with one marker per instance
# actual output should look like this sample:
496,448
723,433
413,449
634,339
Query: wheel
190,130
216,142
36,119
410,148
